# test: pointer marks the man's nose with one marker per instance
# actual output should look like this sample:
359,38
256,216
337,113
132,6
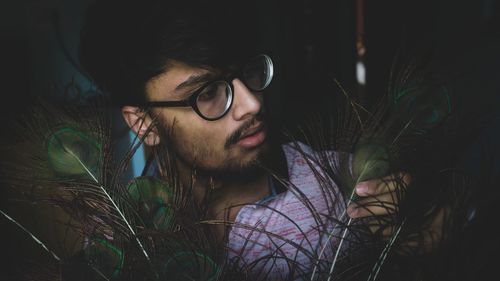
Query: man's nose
245,104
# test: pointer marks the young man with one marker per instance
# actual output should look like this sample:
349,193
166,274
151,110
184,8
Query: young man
187,75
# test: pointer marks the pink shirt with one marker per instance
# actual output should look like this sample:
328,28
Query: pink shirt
281,232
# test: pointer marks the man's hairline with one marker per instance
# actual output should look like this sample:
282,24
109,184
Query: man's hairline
168,65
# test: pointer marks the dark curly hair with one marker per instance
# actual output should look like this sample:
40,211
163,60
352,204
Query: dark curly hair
124,44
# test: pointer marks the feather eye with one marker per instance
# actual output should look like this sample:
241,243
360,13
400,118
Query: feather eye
104,256
153,201
191,265
68,148
370,161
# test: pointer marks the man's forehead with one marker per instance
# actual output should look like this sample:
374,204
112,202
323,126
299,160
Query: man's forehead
178,78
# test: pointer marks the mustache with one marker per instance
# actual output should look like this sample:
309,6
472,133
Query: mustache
238,133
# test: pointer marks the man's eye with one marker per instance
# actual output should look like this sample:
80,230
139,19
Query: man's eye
208,93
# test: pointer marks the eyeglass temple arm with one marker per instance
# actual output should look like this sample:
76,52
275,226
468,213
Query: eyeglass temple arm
181,103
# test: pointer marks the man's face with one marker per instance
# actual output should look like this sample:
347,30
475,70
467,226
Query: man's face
233,143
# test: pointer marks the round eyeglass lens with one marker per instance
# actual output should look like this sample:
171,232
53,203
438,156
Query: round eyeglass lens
258,73
214,100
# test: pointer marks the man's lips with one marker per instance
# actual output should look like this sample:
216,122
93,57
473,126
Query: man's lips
253,137
252,130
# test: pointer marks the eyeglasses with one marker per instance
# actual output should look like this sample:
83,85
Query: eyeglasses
214,99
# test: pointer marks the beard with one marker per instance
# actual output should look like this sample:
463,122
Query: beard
199,156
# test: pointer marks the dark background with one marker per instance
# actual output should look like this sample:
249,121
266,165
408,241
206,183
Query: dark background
311,42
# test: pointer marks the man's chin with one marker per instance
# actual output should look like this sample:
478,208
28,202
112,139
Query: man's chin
235,171
247,163
255,156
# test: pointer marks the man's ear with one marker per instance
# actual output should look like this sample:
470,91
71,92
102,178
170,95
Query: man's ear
139,121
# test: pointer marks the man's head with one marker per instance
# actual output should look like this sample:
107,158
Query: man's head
163,51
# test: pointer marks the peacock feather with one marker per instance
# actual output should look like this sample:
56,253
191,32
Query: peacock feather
151,228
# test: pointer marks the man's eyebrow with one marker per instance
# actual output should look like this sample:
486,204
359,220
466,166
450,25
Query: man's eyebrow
194,80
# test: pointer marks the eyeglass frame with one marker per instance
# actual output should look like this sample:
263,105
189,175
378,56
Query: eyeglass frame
191,100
